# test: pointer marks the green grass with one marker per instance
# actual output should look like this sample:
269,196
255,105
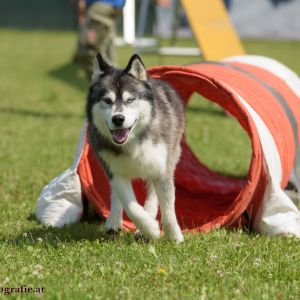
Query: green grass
41,114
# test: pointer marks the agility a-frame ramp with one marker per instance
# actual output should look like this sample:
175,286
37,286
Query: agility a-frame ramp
212,28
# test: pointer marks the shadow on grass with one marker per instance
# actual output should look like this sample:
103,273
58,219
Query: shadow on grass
71,74
91,230
37,114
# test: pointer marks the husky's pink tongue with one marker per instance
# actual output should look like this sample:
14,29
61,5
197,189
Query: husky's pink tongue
120,135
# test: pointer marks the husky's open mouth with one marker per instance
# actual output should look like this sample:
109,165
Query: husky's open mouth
120,135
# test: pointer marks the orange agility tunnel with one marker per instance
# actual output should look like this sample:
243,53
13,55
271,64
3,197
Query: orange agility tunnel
264,96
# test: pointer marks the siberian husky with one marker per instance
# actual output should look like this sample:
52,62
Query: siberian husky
135,124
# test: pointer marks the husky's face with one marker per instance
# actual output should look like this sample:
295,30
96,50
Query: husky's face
119,101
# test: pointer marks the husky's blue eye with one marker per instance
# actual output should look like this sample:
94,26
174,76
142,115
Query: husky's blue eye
130,100
107,100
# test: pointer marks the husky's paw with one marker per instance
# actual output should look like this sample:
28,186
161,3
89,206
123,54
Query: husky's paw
112,232
174,235
112,226
178,238
138,236
152,231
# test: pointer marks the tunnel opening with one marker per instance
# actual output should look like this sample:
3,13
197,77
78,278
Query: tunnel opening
216,138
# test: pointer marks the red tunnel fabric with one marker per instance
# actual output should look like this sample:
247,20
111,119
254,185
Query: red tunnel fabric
204,199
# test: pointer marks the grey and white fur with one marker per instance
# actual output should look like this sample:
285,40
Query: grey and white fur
135,124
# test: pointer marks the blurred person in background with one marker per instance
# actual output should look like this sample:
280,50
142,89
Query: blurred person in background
97,21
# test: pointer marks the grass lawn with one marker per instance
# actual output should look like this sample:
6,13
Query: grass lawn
41,113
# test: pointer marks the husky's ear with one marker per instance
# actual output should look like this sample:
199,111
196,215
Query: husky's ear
136,68
100,67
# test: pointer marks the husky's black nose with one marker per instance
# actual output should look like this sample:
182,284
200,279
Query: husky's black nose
118,120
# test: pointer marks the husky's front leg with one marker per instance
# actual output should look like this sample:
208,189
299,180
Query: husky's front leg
114,222
141,219
165,190
151,205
